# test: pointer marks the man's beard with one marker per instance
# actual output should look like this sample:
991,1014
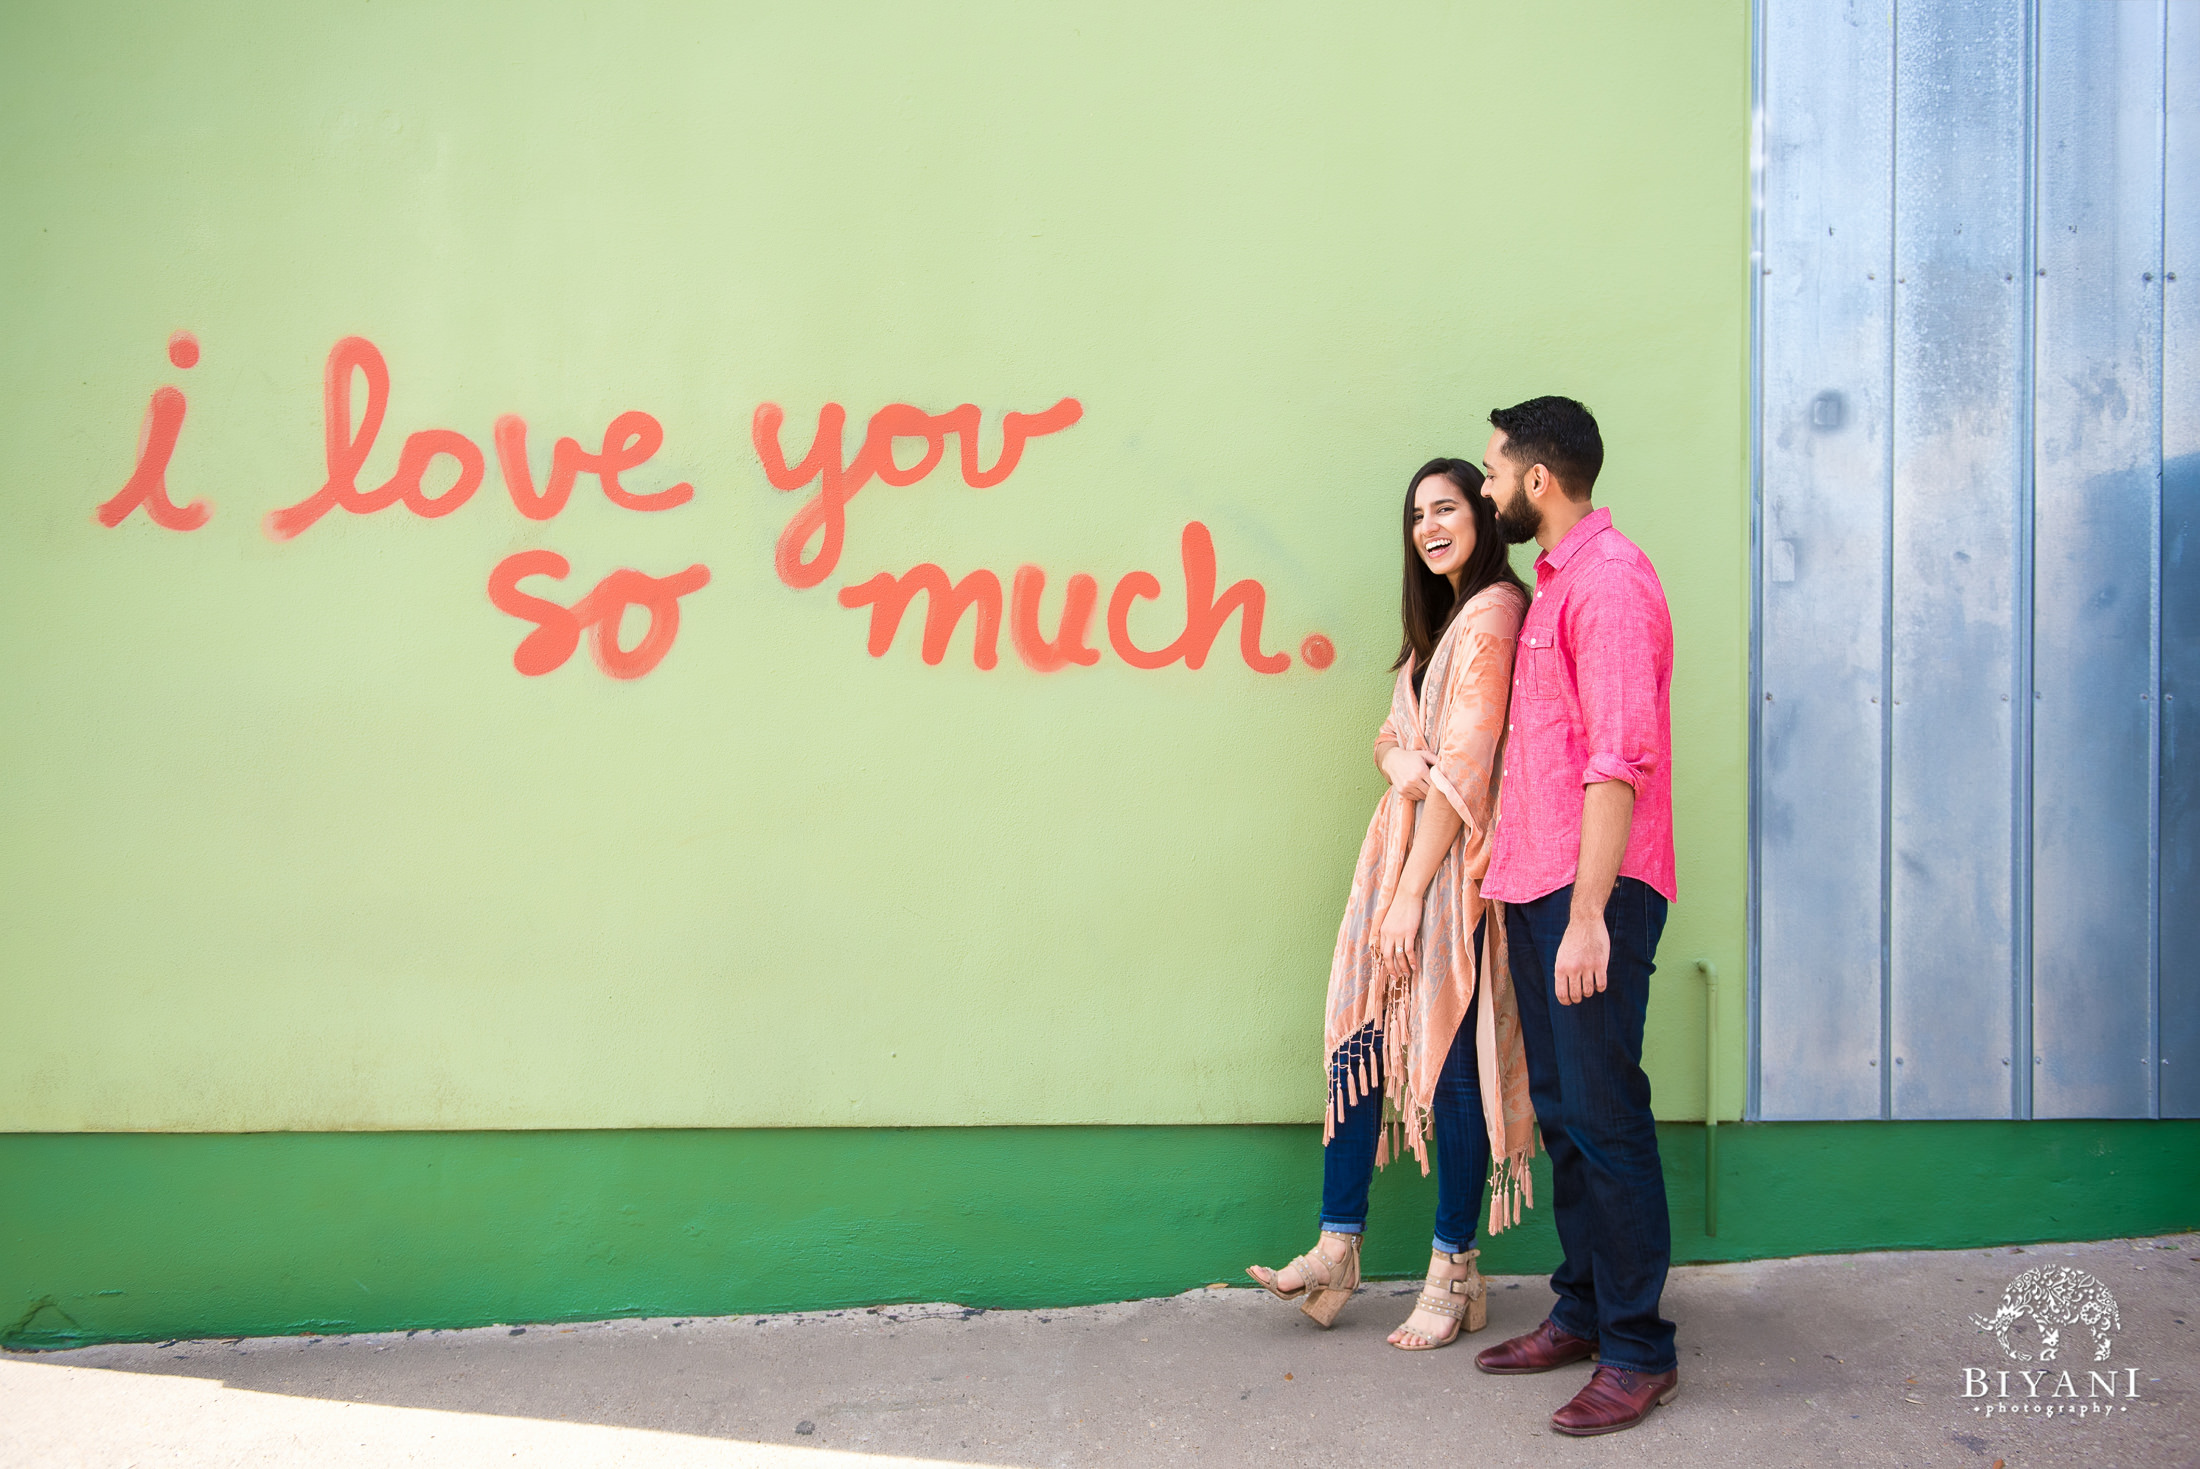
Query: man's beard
1518,519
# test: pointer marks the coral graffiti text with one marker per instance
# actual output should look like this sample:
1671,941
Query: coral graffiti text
440,470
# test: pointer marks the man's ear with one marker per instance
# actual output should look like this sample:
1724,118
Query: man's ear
1536,481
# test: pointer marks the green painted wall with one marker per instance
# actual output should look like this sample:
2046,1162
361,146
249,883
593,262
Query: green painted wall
285,841
138,1237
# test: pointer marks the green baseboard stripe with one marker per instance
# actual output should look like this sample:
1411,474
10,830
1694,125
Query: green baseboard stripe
118,1237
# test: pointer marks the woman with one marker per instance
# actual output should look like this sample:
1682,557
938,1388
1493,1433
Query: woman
1415,1044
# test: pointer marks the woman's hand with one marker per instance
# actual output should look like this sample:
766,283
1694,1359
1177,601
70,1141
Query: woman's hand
1398,937
1408,773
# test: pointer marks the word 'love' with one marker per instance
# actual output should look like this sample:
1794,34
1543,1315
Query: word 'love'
629,441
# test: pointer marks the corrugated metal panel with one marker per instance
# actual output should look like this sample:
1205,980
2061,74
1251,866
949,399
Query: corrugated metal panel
1959,458
2097,477
2180,785
1825,318
1977,500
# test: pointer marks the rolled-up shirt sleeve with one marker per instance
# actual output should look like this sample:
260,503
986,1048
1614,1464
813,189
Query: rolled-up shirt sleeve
1619,634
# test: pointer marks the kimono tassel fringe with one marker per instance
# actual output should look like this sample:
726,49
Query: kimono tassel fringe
1512,1188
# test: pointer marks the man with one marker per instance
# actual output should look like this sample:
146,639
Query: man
1582,857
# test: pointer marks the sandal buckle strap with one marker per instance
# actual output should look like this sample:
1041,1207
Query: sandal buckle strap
1442,1306
1330,1269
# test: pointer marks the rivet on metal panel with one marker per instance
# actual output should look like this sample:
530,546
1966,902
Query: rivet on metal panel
1829,410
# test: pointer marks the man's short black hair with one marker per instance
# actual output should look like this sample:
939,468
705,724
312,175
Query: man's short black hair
1558,434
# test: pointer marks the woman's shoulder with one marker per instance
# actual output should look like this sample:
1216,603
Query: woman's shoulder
1496,611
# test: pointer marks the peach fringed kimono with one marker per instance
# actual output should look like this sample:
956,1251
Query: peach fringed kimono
1458,724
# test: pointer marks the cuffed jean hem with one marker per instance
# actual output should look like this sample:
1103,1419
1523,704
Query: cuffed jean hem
1437,1243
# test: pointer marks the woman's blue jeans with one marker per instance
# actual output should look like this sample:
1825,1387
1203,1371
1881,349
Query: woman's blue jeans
1462,1143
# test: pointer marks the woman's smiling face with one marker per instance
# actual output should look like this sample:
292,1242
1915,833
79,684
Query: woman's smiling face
1443,526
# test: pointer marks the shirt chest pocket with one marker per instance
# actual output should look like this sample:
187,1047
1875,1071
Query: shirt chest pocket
1539,673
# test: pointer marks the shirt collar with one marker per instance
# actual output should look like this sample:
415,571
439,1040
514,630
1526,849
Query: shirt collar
1585,530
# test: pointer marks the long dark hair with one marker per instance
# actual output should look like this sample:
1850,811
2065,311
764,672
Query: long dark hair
1426,605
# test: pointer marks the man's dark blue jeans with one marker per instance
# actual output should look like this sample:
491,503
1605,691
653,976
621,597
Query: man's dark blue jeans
1592,1102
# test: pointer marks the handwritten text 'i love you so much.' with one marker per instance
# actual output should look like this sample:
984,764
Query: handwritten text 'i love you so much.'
808,550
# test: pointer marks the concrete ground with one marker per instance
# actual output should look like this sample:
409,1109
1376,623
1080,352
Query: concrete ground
1834,1360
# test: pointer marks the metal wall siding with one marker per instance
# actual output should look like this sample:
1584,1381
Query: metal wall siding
2180,636
1977,440
1825,314
2097,475
1959,191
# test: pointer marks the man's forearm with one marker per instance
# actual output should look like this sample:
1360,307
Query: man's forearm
1607,811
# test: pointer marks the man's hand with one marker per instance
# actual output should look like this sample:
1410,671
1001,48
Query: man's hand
1408,773
1585,953
1583,956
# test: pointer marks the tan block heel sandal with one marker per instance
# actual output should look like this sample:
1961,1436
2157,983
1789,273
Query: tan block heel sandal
1328,1279
1465,1300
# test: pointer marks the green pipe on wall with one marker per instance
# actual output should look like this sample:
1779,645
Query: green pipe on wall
1710,973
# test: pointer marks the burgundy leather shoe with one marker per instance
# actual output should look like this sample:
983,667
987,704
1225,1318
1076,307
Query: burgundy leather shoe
1614,1399
1539,1351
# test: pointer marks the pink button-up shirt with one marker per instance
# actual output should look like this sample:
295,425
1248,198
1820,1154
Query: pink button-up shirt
1591,701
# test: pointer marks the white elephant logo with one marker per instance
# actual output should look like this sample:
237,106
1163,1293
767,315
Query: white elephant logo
2054,1296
